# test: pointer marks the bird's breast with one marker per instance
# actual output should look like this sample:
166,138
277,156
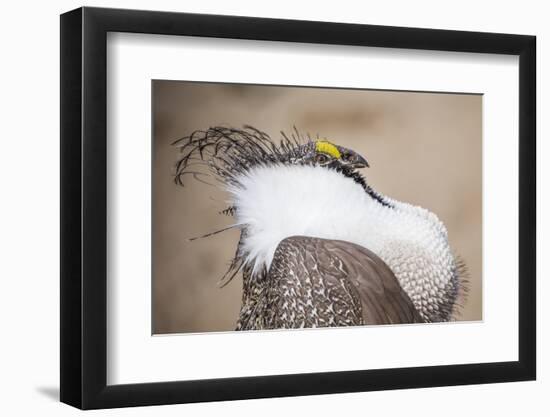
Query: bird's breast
277,202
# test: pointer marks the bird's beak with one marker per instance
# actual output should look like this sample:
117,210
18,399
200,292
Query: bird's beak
360,162
352,159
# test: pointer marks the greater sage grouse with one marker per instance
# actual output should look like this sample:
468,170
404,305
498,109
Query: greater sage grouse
319,246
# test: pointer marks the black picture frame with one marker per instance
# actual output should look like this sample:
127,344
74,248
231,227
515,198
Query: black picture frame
84,207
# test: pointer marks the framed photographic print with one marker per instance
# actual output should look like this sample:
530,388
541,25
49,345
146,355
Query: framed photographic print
259,207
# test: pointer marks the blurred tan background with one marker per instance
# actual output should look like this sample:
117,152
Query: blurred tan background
423,149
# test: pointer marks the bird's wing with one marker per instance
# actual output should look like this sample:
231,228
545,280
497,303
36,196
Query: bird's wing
315,282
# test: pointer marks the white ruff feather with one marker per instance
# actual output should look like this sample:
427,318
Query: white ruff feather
279,201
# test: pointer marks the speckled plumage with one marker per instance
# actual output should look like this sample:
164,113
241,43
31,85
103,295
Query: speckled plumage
293,208
316,282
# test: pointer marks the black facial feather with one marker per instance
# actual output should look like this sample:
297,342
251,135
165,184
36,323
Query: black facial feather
359,179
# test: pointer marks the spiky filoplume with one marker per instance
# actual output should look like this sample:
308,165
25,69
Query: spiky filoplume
297,203
232,152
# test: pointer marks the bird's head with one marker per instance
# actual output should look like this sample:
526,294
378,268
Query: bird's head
325,153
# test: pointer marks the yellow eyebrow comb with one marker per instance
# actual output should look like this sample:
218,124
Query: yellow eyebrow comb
324,146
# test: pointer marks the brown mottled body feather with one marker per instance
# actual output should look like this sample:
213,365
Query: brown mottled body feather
315,282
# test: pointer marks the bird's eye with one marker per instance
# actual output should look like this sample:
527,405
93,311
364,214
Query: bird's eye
321,158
